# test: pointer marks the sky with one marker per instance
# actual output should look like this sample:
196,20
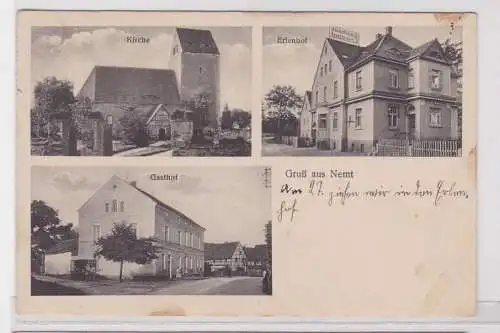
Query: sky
295,64
71,52
233,205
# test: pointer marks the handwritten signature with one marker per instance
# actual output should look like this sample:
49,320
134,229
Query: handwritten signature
287,208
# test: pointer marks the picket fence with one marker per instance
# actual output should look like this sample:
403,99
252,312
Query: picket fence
418,148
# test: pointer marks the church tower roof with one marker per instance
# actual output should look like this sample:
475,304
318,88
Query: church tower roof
197,41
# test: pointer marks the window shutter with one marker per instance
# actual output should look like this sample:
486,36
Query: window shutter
430,79
441,80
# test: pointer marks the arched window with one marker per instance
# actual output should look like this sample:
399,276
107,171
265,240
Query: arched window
115,208
122,206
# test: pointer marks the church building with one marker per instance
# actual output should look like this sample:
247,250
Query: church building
188,90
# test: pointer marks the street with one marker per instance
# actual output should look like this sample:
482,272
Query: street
241,285
238,285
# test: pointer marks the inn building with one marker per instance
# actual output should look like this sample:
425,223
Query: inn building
387,89
117,201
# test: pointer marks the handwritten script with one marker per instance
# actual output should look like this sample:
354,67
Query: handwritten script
342,192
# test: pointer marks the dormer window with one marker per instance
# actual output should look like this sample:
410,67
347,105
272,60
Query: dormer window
435,54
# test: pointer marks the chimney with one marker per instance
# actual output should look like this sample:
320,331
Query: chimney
388,31
133,183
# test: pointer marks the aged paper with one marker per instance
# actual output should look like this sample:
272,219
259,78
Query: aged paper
351,191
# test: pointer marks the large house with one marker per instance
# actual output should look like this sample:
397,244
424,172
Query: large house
387,89
117,201
222,255
188,90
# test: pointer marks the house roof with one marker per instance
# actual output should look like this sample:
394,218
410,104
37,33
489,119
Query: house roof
131,85
164,205
197,41
64,246
347,53
385,46
220,251
257,253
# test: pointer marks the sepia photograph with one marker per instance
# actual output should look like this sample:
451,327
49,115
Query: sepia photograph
140,91
151,231
362,91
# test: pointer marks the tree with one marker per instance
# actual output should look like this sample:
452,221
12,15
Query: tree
50,95
241,117
46,230
122,245
269,241
200,102
46,226
453,52
134,127
282,102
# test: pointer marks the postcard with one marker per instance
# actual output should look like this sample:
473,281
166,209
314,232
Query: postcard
352,192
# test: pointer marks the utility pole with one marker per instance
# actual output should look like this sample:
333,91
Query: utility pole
267,177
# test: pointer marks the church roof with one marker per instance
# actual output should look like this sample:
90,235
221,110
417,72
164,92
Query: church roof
197,41
131,85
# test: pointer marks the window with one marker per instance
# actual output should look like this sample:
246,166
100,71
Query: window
166,233
394,78
321,71
411,79
435,117
106,207
335,89
134,228
96,232
317,99
322,121
330,66
191,242
357,118
393,116
175,50
436,79
115,206
109,119
358,80
335,123
180,237
325,97
122,206
362,147
326,68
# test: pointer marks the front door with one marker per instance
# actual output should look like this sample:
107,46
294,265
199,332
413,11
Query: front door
411,126
162,134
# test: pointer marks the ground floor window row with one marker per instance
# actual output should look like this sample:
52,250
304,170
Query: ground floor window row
433,118
179,263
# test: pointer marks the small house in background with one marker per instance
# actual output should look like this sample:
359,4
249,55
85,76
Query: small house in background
226,256
59,257
256,258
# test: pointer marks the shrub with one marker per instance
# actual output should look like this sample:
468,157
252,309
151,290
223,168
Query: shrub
323,144
304,142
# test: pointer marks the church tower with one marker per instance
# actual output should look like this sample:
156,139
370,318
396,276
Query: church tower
195,59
